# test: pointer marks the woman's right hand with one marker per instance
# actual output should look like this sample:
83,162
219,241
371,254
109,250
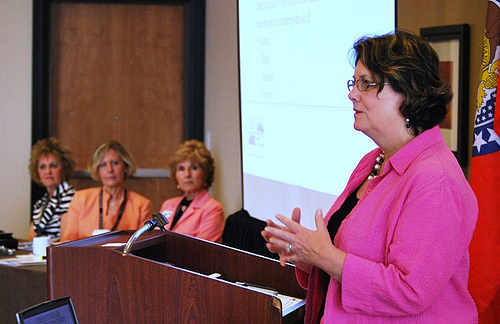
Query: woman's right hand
304,247
274,248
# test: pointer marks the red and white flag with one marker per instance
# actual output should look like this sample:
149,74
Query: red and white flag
484,277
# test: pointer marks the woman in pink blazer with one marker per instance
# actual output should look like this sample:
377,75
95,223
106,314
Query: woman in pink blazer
194,213
394,246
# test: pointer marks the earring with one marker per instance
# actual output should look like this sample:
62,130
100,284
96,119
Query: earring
408,125
178,187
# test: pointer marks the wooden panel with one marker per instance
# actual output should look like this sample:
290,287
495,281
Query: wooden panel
20,288
132,289
230,263
117,73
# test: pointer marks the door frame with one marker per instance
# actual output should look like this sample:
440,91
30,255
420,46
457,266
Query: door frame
194,62
194,68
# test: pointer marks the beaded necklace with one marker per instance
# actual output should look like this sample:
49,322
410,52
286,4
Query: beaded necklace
378,164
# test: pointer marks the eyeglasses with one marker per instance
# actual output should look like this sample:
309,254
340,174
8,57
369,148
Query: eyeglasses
362,85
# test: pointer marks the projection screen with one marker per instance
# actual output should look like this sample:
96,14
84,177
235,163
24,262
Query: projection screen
299,146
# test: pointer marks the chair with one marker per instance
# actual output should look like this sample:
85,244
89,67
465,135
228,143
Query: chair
242,231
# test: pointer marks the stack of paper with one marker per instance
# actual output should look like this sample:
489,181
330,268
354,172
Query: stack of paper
24,260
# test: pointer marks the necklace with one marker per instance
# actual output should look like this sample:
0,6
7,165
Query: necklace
378,164
122,207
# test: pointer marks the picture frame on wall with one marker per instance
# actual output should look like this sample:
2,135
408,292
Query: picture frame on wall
452,44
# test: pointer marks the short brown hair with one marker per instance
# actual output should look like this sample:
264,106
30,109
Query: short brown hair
410,64
52,146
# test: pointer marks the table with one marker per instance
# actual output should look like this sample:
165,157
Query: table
20,288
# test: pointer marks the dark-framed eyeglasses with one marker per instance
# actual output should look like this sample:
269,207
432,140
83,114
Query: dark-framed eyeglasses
362,85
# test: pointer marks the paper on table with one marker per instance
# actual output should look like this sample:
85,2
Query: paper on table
25,246
289,303
112,244
24,260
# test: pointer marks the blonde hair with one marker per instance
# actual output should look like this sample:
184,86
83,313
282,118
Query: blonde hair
196,152
99,153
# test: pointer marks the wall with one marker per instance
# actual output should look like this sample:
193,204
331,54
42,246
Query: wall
222,122
222,103
433,13
15,114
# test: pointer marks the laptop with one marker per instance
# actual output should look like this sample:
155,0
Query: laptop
60,310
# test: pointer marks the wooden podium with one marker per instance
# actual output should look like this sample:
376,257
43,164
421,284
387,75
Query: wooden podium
166,279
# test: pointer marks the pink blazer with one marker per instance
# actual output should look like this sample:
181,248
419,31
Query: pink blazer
204,217
406,241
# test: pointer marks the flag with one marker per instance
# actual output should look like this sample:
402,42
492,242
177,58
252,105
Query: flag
484,276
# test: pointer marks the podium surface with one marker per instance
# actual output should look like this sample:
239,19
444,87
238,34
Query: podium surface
168,278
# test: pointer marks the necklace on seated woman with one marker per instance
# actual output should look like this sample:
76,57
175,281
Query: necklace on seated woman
378,164
114,201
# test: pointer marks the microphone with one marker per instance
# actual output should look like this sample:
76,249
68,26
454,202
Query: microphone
158,220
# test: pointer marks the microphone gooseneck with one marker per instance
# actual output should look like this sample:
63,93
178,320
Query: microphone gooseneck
158,220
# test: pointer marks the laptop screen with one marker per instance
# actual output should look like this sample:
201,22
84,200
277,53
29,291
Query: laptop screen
59,310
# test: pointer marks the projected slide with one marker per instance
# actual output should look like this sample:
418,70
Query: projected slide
298,141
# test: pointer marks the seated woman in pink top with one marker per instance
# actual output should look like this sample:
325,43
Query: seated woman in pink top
110,206
194,213
394,246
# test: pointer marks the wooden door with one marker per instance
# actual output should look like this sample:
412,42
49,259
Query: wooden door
119,71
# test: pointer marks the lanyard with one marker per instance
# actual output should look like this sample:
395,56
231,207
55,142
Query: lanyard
122,207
